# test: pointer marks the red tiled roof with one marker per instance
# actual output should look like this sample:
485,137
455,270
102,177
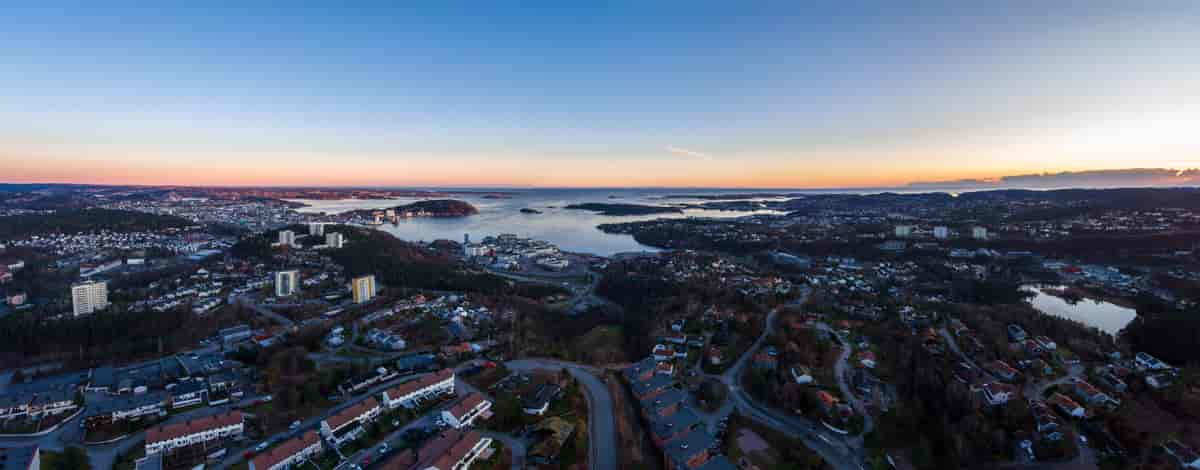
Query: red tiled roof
349,414
170,431
283,451
458,450
467,404
423,382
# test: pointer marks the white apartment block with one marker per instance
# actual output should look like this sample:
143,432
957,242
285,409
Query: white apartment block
287,283
411,394
200,430
287,238
334,240
89,297
316,229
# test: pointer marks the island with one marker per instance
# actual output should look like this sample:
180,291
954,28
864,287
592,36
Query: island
526,210
624,209
426,208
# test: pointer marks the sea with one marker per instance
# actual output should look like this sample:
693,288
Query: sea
571,229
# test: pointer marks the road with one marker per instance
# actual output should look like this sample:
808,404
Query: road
839,371
266,312
841,453
236,455
602,436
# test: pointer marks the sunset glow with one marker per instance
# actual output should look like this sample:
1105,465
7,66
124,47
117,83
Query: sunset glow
631,95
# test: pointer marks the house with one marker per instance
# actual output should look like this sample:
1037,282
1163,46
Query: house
452,450
828,401
665,368
765,361
21,458
667,428
1147,362
1045,419
655,385
1184,455
290,454
1016,334
538,402
347,425
1066,405
998,393
689,451
867,359
1087,393
411,394
235,333
802,375
663,404
466,411
677,339
1046,343
1001,370
663,352
199,431
641,370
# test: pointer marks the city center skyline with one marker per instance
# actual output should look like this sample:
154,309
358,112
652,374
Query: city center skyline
620,95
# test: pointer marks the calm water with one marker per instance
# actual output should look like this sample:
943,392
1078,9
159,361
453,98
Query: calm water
1106,316
570,229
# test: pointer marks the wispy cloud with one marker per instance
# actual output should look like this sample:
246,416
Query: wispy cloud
689,153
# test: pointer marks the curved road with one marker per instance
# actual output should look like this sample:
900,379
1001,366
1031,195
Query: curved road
838,451
602,437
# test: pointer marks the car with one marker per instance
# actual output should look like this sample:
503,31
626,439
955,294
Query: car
295,425
384,448
262,446
395,423
1083,439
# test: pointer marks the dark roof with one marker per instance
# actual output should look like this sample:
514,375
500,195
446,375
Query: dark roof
686,447
17,458
666,426
125,403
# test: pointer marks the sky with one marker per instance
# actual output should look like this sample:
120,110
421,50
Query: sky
612,94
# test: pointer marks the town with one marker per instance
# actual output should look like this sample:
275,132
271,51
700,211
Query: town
144,329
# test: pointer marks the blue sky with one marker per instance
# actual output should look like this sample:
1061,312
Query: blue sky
563,94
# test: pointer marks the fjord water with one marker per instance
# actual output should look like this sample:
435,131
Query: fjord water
571,229
1106,316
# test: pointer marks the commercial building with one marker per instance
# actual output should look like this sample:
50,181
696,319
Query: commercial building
411,394
88,297
363,288
290,453
200,431
287,283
